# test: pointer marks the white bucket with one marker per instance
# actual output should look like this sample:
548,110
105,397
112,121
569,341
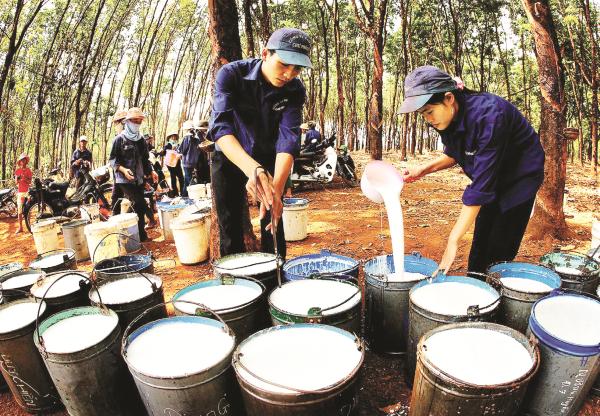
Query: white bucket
168,212
90,212
191,236
595,233
197,191
295,218
45,236
128,225
102,249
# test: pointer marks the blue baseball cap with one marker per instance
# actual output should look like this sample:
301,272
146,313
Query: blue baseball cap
421,84
292,45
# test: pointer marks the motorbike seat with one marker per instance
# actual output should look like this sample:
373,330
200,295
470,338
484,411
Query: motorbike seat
4,192
58,186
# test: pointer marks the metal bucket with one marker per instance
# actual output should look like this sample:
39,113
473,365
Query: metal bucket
69,293
91,380
129,295
387,301
75,238
569,364
244,316
423,320
440,391
281,375
55,260
201,388
584,272
596,386
167,212
124,265
515,305
10,268
325,262
21,364
260,266
16,285
327,301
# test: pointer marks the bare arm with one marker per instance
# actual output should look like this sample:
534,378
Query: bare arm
417,172
467,217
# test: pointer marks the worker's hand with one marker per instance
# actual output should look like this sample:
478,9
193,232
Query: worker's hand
448,257
260,187
276,212
412,174
128,174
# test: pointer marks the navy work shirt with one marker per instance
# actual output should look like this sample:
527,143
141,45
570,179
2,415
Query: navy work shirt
310,135
498,150
264,119
80,154
190,150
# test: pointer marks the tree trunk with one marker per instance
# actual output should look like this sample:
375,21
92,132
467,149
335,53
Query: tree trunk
226,47
549,217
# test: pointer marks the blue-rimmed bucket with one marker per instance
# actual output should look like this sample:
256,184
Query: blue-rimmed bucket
522,285
260,266
387,300
168,211
566,325
295,218
577,271
445,300
239,301
324,262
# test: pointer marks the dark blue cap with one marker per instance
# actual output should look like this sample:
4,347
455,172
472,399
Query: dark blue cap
292,45
421,84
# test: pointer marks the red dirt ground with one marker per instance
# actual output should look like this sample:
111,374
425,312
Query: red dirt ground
345,222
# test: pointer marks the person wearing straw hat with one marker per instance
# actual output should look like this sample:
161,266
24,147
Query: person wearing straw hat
117,194
174,168
80,156
498,150
23,176
255,124
129,159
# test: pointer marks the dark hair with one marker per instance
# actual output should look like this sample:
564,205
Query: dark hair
438,97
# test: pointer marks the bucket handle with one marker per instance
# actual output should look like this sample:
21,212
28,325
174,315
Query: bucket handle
201,307
247,265
332,276
587,256
112,211
65,256
148,252
103,307
127,266
237,355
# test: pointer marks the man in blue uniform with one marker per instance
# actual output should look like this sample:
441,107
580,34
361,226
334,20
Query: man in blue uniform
80,156
255,122
311,136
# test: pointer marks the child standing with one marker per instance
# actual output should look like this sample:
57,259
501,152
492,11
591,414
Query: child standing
23,177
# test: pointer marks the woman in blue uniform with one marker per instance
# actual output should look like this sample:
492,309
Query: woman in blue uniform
497,149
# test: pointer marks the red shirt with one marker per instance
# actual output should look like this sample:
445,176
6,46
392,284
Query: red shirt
23,176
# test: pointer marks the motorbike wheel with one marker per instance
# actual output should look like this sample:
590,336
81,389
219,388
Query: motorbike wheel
11,208
36,212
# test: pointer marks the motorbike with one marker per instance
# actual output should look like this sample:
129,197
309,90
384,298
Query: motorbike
8,203
47,197
319,162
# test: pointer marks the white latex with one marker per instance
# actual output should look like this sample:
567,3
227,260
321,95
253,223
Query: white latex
525,285
66,285
22,280
124,290
245,266
78,332
18,315
568,270
221,297
451,298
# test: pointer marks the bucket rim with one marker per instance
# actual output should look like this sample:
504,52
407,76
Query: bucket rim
556,342
221,281
121,263
293,392
21,272
75,223
529,344
70,313
528,271
591,265
262,258
42,310
413,258
69,252
132,275
60,273
200,320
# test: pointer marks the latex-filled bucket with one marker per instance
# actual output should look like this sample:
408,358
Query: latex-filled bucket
128,226
168,212
324,262
324,301
62,290
22,366
239,301
445,300
54,261
182,366
16,285
191,235
386,299
80,348
522,285
299,370
129,295
577,271
197,191
260,266
45,236
473,368
73,233
566,326
101,245
596,386
295,218
123,266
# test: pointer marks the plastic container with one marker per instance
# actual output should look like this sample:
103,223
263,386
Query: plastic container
191,236
45,236
168,212
295,218
73,232
128,225
197,191
101,248
325,262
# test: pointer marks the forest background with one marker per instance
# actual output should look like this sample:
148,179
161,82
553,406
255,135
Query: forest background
68,65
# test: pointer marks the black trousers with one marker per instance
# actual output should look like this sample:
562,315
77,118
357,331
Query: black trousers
177,175
135,193
115,199
498,235
229,188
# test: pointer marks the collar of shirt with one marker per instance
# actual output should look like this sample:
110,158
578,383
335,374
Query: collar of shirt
255,74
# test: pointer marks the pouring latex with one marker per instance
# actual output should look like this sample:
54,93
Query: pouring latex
381,182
